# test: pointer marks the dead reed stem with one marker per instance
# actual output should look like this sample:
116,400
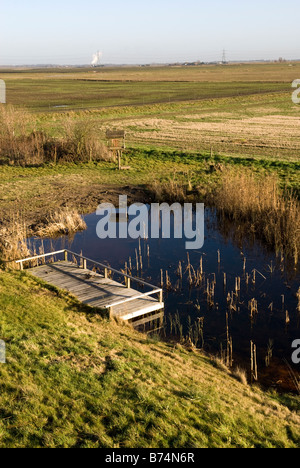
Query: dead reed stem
254,373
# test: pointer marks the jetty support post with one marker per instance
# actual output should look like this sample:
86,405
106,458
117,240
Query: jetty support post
160,296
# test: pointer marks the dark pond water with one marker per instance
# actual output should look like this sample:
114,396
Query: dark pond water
275,288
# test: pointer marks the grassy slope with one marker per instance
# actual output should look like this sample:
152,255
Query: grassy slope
74,379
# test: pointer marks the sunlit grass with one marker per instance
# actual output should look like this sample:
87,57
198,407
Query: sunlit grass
73,379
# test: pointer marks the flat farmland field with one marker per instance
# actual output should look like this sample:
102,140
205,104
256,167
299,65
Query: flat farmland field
232,111
48,89
52,93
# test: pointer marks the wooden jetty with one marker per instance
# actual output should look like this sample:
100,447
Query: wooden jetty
95,287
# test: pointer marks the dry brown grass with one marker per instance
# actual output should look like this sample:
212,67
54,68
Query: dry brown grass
13,236
13,243
21,144
80,143
231,132
169,191
66,222
259,206
240,375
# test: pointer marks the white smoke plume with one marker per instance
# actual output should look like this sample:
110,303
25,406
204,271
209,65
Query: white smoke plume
96,59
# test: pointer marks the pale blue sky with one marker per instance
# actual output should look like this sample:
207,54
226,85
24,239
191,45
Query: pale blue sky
70,31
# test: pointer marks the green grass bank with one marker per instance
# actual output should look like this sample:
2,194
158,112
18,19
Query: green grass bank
74,379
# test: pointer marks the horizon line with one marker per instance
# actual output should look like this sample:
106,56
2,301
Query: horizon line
148,64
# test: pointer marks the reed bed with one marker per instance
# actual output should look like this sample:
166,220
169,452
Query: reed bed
13,242
258,206
64,222
169,191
